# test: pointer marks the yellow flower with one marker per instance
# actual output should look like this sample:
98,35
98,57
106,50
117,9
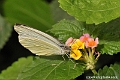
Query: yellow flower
77,45
75,54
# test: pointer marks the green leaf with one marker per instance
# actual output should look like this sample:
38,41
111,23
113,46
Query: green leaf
32,13
65,29
45,69
12,72
5,31
106,31
57,13
112,72
109,47
92,11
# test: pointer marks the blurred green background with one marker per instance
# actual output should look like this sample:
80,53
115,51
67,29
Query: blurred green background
9,10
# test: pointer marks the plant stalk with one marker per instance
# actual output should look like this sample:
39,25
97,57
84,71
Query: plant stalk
94,71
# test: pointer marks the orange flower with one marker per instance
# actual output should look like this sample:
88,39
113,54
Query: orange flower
91,43
75,54
85,37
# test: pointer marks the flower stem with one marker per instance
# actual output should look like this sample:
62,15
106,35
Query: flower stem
85,54
89,50
94,71
93,50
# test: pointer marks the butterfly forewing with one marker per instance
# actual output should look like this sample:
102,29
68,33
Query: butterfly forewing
38,42
27,31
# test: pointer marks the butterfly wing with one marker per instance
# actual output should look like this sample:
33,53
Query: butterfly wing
38,42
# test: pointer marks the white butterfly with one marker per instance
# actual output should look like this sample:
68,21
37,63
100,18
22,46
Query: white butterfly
39,42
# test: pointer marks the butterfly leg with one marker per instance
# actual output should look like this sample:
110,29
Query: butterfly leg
63,57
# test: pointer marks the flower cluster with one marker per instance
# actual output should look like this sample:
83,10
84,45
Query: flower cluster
84,48
89,42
